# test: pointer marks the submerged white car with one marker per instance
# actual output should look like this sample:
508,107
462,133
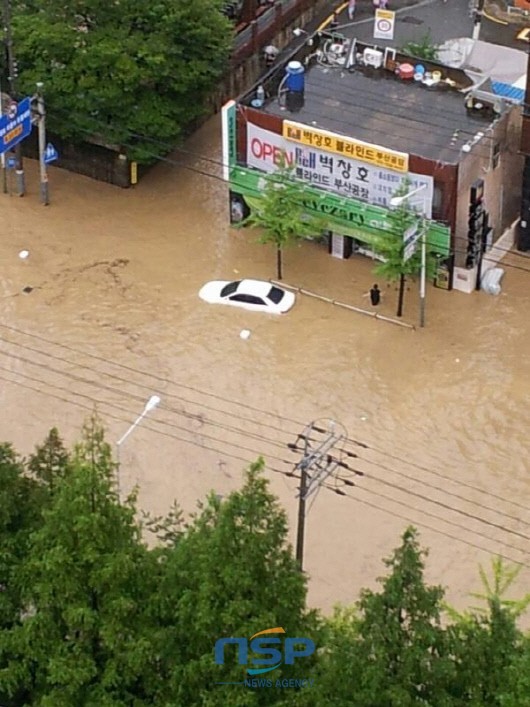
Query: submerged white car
255,295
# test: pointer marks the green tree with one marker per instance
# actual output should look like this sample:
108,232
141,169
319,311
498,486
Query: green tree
130,74
392,651
19,515
281,214
489,648
84,636
230,574
50,461
390,246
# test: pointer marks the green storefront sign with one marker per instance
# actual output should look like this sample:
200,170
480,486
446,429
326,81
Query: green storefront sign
343,215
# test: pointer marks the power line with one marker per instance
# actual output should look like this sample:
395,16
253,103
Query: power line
395,500
96,401
421,467
232,402
458,538
245,460
138,397
308,439
302,184
330,460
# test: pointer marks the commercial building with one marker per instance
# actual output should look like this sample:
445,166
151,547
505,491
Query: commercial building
356,121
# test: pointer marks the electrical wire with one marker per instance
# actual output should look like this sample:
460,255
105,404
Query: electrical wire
119,391
231,402
252,452
286,474
457,538
440,490
263,175
96,401
205,446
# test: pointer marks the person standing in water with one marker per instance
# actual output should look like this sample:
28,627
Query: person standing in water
375,295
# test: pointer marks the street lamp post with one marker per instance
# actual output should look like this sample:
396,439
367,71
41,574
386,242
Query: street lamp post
151,404
397,201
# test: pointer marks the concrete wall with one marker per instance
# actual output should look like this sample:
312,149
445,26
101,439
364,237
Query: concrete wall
502,184
244,73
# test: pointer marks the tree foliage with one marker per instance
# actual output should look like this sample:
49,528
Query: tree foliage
93,616
393,648
390,246
81,636
130,74
281,214
231,574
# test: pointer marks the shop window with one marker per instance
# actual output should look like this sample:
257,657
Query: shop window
437,203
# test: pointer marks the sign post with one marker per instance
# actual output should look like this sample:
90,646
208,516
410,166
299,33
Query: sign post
410,237
15,126
228,123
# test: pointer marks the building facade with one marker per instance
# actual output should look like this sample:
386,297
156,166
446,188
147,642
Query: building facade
356,123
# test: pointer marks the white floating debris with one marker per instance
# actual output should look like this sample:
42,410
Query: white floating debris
244,333
457,360
23,254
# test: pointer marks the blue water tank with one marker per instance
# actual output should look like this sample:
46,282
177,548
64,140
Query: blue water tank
295,77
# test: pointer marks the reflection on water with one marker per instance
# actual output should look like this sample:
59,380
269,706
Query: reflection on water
438,418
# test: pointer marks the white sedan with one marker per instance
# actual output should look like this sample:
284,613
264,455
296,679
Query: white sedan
255,295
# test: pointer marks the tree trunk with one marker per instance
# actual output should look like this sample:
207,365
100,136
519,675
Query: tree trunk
279,263
401,295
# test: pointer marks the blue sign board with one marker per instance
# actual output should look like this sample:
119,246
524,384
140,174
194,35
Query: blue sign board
15,126
50,154
11,163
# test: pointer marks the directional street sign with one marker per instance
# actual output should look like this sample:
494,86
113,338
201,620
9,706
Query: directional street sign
410,238
16,125
50,154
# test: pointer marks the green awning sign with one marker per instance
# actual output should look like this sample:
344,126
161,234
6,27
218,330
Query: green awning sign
343,215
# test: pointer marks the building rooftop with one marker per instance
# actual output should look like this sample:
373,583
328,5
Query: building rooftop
375,106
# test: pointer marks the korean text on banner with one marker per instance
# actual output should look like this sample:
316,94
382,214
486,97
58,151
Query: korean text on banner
355,149
351,178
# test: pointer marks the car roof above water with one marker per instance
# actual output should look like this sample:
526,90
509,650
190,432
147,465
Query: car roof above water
260,288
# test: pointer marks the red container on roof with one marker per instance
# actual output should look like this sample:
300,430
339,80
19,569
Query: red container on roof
406,71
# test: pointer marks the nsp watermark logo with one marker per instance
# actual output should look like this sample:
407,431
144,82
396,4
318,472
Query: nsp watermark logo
270,652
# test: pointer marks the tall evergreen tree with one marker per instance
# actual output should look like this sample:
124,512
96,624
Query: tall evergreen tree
489,647
87,577
392,651
231,574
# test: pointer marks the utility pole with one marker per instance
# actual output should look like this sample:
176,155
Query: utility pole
41,125
477,17
318,439
12,79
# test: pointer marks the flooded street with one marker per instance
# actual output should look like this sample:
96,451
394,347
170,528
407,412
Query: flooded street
441,414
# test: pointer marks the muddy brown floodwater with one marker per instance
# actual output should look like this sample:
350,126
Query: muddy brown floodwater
114,317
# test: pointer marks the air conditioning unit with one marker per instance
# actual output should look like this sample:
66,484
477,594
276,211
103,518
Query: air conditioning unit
373,57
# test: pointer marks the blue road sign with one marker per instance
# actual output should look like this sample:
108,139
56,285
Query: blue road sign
11,163
15,126
50,154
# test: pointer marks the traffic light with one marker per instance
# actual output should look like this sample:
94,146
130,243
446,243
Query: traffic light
476,224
